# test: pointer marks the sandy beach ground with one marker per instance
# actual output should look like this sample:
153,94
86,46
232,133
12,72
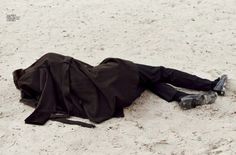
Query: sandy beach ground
194,36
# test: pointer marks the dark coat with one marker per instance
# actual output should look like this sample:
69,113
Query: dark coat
61,84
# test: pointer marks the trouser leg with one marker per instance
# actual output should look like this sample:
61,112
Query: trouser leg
167,92
151,75
156,79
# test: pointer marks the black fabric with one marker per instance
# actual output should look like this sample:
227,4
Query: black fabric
63,119
179,95
71,122
61,84
214,83
159,80
57,84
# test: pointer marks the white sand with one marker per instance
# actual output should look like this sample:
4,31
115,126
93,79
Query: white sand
195,36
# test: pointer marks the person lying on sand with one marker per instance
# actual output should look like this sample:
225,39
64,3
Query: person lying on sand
60,86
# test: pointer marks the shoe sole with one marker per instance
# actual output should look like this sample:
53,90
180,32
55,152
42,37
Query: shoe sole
188,102
220,87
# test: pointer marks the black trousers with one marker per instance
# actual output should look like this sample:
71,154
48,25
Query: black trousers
159,80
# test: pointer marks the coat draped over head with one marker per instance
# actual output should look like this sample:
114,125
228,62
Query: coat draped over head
62,84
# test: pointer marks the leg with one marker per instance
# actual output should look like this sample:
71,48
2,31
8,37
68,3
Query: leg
155,79
167,92
186,101
163,90
150,75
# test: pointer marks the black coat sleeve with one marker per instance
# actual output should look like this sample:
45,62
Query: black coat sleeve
47,102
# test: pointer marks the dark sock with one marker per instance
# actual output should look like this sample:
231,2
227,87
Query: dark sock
179,95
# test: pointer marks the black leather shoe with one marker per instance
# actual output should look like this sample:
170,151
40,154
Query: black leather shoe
191,101
220,86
